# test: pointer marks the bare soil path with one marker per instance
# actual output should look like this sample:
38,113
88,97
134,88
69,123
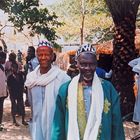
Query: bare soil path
12,132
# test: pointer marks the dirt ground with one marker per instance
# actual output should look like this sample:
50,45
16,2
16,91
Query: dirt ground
12,132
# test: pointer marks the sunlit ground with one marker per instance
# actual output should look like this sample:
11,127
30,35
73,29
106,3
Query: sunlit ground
12,132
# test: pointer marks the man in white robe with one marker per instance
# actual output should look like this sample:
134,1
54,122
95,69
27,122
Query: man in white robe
43,84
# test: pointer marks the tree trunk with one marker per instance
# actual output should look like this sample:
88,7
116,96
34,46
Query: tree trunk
123,52
124,17
83,20
82,30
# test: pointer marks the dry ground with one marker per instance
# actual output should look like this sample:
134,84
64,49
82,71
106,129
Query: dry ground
12,132
22,132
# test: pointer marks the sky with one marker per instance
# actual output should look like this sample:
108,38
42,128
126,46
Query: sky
49,2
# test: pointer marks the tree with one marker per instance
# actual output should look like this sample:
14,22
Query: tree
83,12
95,15
28,14
124,16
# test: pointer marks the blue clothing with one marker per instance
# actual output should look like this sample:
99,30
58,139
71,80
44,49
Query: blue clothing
37,103
87,99
32,64
135,64
111,124
100,72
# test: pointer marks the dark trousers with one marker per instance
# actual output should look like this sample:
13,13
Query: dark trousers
17,106
1,108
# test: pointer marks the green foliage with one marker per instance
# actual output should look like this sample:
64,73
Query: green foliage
27,13
99,6
57,46
70,12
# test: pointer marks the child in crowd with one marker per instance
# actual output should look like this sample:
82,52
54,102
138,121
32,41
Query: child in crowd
15,84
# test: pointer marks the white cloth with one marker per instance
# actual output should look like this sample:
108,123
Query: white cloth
135,64
95,114
52,80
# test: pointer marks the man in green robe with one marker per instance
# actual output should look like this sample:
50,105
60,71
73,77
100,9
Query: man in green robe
87,108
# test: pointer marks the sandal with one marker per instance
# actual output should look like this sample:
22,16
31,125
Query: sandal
16,124
24,123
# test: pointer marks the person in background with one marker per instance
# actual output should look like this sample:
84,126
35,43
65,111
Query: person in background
135,64
43,84
87,108
3,92
19,56
104,65
31,60
12,59
103,74
105,61
15,84
72,70
31,64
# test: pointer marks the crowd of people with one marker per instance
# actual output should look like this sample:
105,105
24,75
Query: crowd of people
13,76
77,104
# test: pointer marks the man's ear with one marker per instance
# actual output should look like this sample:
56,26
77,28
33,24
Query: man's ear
77,64
53,57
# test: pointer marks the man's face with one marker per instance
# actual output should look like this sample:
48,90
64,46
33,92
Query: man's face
87,65
45,57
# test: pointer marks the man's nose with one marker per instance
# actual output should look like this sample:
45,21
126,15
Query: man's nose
43,56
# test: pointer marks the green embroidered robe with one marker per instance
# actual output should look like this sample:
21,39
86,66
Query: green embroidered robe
111,125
